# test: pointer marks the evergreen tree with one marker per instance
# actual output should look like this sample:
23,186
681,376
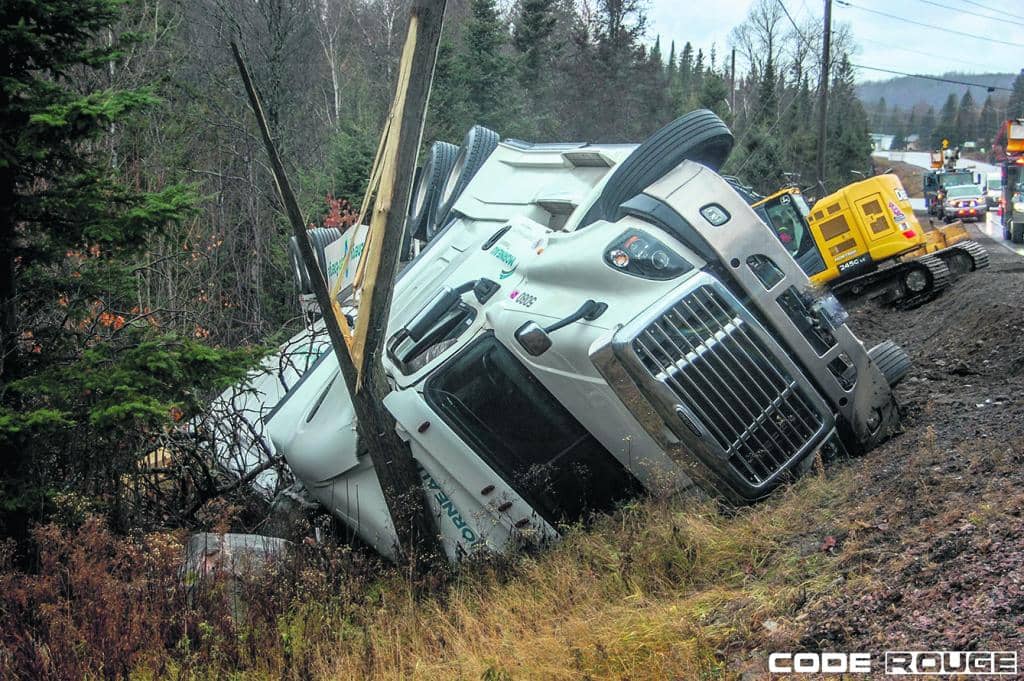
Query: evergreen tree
767,99
485,71
1015,107
683,87
899,138
761,160
714,95
653,92
945,129
697,78
910,126
655,54
352,148
447,117
618,27
671,67
848,143
926,129
86,382
966,119
879,117
988,123
538,54
797,133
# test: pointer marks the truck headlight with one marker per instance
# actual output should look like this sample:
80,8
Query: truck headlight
641,255
1018,207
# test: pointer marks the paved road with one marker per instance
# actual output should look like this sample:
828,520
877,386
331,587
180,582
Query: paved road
994,229
922,159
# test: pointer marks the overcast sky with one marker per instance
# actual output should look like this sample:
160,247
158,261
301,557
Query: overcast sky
704,23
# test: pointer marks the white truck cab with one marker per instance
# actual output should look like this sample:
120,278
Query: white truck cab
549,359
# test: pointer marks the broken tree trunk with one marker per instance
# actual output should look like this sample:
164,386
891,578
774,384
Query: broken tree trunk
418,540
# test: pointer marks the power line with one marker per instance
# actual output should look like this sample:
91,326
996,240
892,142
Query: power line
923,54
941,80
993,9
972,13
931,26
796,28
764,105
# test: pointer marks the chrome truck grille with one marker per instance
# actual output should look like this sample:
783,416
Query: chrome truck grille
707,365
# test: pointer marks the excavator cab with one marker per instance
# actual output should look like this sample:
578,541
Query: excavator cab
786,213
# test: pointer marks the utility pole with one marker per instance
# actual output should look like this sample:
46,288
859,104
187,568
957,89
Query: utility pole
826,44
732,83
418,541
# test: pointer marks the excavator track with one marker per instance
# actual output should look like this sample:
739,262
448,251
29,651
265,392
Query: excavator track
963,257
938,274
904,285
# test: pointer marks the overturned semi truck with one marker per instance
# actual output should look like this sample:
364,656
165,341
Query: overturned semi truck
587,322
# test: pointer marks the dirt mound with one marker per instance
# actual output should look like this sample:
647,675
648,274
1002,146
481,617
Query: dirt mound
911,176
933,556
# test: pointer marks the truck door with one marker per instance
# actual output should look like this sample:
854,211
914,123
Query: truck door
518,428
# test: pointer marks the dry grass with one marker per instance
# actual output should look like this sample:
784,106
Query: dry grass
661,589
657,591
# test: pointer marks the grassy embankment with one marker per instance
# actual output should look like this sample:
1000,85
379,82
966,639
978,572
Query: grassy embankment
661,589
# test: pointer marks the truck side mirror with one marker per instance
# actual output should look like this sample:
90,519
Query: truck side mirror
534,339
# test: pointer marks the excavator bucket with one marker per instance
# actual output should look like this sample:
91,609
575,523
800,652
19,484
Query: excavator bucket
950,234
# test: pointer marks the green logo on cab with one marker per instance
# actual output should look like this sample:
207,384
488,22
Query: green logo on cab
510,262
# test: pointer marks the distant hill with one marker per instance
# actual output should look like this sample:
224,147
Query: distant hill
905,92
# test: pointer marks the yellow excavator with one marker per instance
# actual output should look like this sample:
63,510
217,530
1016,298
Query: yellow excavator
864,241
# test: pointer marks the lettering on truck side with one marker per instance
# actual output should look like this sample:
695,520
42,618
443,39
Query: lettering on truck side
450,509
510,261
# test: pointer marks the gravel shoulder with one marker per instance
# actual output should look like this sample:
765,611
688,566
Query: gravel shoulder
931,548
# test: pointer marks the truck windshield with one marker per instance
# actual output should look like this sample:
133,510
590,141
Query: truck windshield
787,216
955,179
962,191
525,435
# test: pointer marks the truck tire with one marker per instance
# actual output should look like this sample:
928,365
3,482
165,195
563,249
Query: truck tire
426,199
1017,232
319,238
699,136
892,360
405,254
476,148
299,272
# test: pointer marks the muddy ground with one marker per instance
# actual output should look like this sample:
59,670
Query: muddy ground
932,549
